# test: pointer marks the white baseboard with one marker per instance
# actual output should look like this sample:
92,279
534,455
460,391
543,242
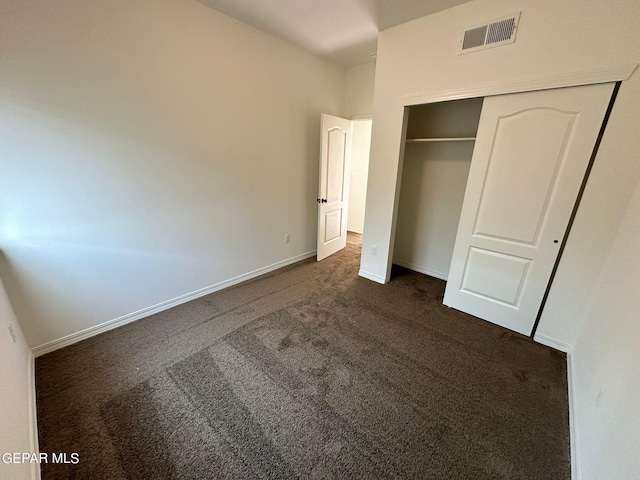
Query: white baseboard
573,424
372,276
552,342
33,415
573,421
145,312
423,270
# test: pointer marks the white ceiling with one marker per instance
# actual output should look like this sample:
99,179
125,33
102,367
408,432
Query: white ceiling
344,31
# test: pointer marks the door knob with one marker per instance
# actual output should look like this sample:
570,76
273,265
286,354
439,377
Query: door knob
321,200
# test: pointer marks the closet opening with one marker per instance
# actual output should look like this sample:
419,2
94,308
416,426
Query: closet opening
439,144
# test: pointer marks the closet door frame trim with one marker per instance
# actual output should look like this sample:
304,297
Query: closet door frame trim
606,75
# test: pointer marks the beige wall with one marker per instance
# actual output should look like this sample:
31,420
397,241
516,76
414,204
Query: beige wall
17,412
150,149
359,83
605,363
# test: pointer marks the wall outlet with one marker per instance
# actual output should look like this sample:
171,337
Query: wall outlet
13,334
374,250
287,238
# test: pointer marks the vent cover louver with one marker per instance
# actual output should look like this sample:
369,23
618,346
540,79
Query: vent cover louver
500,31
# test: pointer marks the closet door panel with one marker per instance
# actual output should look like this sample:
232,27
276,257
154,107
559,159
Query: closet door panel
531,154
531,182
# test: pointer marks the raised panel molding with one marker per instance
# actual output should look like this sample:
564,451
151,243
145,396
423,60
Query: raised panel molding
513,134
334,186
492,275
333,221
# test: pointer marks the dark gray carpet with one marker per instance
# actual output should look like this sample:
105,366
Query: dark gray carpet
308,372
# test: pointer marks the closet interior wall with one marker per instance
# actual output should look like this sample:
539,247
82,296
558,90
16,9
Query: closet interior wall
437,156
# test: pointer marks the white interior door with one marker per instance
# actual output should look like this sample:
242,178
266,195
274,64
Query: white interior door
530,157
335,151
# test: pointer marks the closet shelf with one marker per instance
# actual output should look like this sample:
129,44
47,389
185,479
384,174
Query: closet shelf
443,139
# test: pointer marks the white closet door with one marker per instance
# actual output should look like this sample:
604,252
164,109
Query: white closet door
530,157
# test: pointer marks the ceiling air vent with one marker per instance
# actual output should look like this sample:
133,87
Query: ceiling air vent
500,31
